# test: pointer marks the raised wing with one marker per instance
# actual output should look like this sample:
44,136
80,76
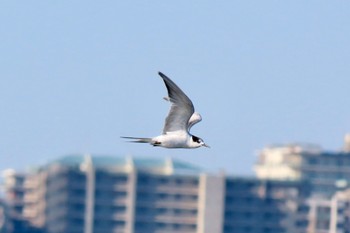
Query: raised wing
181,107
195,118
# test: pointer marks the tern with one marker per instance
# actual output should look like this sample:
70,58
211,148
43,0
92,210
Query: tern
180,119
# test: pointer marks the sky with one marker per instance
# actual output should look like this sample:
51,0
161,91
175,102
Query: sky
77,75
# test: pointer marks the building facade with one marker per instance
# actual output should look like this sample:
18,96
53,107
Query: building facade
340,212
328,175
108,194
92,194
326,171
261,206
5,221
298,189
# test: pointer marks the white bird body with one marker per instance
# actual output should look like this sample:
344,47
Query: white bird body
178,123
176,139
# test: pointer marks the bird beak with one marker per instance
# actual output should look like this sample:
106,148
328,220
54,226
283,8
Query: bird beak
206,145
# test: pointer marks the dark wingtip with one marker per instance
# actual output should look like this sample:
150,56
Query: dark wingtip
162,75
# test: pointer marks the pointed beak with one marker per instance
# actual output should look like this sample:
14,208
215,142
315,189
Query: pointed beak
206,145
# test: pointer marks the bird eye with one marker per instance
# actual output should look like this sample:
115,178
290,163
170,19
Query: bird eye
196,139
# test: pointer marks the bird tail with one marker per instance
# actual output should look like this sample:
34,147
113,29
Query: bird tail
139,140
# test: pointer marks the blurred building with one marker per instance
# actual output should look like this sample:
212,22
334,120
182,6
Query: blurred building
329,215
340,212
298,189
16,191
326,171
262,206
109,194
319,216
5,222
328,174
14,194
93,194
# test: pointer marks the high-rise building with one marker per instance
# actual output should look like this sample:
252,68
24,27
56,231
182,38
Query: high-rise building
92,194
326,171
328,174
340,212
5,222
17,203
329,215
319,215
259,206
109,194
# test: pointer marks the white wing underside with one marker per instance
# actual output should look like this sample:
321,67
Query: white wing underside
181,116
195,118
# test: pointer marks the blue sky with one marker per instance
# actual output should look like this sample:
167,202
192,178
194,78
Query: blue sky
77,75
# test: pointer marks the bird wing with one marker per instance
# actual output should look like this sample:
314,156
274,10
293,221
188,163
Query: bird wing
181,108
195,118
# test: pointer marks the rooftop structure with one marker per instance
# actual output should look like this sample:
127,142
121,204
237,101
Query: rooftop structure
325,171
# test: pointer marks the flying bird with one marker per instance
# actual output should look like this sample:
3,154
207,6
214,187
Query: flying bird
180,119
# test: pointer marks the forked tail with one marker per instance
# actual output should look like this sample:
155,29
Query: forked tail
139,140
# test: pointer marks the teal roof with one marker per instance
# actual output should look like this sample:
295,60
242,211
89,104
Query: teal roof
100,161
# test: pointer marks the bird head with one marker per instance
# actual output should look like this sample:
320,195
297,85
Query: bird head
198,142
